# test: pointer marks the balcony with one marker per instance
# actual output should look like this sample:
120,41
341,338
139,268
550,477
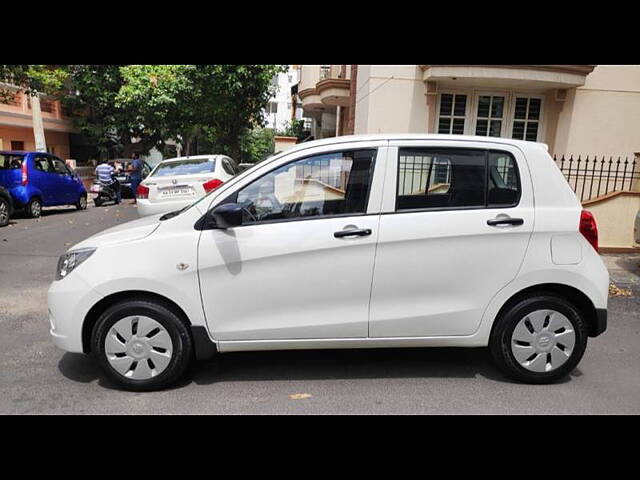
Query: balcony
322,88
508,76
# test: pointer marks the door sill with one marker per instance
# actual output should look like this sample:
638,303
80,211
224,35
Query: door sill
341,343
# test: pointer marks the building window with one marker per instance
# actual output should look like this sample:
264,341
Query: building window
526,118
453,108
489,115
17,145
272,107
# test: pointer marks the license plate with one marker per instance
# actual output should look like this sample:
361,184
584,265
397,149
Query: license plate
176,192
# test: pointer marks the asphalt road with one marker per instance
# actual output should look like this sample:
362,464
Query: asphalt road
35,377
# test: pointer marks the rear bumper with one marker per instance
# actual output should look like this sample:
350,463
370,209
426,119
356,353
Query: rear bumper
600,324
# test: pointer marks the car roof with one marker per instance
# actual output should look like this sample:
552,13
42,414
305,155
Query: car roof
410,136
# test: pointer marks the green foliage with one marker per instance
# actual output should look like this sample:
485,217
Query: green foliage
49,79
295,128
256,145
154,103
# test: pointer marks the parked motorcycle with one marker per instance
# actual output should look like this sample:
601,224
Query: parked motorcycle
105,192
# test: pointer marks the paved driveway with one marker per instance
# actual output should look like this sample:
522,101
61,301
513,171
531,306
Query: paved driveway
35,377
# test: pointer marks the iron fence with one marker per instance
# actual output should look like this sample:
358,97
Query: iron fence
593,177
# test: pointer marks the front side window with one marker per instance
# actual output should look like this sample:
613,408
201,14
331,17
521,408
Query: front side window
59,166
453,108
43,164
440,178
185,167
335,183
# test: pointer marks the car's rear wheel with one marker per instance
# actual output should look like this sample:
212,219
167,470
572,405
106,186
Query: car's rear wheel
34,208
97,202
539,340
4,212
81,204
142,345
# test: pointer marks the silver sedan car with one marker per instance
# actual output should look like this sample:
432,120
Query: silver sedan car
636,228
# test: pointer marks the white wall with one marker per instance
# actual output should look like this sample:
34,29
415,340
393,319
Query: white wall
603,116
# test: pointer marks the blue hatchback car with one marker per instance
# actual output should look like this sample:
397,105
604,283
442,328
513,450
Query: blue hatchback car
37,179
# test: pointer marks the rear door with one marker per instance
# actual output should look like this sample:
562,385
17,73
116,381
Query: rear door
457,218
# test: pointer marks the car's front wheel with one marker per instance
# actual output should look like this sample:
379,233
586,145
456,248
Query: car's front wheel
81,204
142,344
539,340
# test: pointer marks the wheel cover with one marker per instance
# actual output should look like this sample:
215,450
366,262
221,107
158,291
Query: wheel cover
543,341
83,202
4,212
36,208
138,347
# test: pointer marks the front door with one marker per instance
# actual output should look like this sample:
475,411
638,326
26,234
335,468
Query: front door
455,227
301,264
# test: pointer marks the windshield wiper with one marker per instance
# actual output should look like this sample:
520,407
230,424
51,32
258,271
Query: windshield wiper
175,213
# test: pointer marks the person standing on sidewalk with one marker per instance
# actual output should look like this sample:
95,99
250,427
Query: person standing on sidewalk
135,173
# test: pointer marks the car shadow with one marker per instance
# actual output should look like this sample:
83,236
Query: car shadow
295,365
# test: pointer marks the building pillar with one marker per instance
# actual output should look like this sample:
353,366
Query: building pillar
431,92
351,117
38,127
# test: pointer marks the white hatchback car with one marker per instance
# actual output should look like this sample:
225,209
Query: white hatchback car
349,242
176,183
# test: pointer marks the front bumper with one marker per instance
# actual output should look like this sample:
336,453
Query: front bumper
69,300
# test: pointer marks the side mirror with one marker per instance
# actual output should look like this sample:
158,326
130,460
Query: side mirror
228,215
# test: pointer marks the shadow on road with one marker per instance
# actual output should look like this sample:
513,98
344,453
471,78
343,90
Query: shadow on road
320,365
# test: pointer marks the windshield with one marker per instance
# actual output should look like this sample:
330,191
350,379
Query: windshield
185,167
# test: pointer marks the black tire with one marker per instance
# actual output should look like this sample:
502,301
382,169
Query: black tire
182,344
97,202
81,204
500,341
5,212
34,208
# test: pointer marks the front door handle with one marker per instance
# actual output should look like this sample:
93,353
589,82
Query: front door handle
504,220
361,232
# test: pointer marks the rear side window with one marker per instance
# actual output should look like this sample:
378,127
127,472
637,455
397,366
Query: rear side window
504,182
11,162
456,178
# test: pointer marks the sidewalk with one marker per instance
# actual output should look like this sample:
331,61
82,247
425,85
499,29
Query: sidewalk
624,270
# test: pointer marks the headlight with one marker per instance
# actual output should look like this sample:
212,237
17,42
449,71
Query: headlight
71,260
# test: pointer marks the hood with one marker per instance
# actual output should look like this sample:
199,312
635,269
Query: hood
126,232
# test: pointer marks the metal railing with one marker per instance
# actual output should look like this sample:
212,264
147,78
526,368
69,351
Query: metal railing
593,177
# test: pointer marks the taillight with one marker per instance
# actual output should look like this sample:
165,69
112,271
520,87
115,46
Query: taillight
211,185
142,191
25,177
588,228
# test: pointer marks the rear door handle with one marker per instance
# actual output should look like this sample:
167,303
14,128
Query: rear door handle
362,232
504,221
